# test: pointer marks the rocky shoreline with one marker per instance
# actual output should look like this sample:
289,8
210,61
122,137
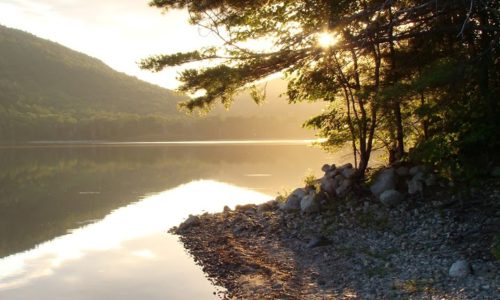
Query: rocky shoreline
337,240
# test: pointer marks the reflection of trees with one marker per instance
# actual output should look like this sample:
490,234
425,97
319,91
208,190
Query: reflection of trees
41,187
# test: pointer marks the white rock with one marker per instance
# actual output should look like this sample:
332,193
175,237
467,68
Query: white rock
293,201
460,268
308,204
391,198
386,180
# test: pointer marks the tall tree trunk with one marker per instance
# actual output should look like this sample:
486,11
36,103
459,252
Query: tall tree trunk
398,120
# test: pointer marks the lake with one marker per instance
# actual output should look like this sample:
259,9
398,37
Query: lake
90,221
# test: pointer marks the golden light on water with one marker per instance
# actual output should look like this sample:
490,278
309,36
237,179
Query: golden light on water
150,216
327,39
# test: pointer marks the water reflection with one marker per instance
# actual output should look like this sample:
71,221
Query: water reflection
47,191
89,222
120,248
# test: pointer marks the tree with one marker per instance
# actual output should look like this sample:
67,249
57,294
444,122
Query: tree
367,71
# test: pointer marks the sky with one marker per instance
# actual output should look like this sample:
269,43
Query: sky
118,32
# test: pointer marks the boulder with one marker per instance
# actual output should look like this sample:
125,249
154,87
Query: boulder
391,198
348,172
318,241
416,184
346,166
343,187
267,206
325,168
386,180
245,207
417,169
328,185
460,268
402,171
293,201
309,204
190,222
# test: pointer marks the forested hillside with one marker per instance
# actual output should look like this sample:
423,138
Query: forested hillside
50,92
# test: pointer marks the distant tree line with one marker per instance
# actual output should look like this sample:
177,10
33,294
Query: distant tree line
55,125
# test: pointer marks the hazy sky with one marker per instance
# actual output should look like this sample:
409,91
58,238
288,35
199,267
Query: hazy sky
118,32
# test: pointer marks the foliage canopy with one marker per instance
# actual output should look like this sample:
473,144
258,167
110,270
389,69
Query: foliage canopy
401,74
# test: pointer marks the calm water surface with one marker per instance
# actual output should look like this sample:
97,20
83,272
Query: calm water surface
89,221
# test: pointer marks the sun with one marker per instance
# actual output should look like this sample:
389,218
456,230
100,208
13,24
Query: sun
327,39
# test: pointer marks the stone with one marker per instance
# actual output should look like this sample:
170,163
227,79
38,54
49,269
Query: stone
330,174
402,171
328,185
460,268
293,200
348,172
346,166
391,198
416,184
244,207
292,203
343,187
417,169
190,222
325,168
386,180
318,241
366,207
267,206
309,204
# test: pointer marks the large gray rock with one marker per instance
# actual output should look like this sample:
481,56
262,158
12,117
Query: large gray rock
293,201
348,172
309,204
460,268
391,198
416,184
417,169
267,206
386,180
346,166
402,171
329,185
343,187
